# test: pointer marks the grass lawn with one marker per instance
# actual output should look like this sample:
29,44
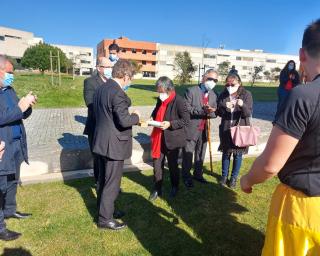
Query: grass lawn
208,220
70,93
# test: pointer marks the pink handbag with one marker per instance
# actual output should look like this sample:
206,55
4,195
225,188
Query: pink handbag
245,136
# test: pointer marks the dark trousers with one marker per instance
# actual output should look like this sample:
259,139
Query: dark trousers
108,189
3,191
97,161
197,147
158,167
10,202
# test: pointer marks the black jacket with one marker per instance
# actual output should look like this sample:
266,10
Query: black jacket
90,86
113,131
8,118
229,119
178,115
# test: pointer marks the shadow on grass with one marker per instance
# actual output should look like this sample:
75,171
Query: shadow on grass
16,252
206,209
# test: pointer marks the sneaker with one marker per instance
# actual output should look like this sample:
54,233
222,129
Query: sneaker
223,181
232,183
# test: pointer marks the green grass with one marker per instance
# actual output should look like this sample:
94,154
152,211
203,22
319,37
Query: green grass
208,220
142,92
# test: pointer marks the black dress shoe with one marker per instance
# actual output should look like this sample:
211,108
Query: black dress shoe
232,183
188,183
118,214
112,224
18,215
8,235
173,192
154,195
200,179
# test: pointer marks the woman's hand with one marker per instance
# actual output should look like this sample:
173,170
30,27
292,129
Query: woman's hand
240,102
229,105
165,125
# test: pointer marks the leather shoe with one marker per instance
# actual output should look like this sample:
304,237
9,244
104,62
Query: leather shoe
223,181
8,235
232,183
200,179
112,224
173,192
118,214
19,215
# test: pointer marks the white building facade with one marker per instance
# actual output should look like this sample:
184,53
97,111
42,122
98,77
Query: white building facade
81,57
14,42
203,59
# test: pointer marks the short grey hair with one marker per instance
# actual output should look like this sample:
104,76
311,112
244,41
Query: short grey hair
122,68
165,82
209,71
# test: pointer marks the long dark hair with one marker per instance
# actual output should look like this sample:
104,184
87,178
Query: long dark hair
286,67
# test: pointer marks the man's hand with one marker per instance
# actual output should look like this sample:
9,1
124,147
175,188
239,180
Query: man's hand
165,125
137,113
229,105
2,146
240,102
24,104
31,98
209,109
245,186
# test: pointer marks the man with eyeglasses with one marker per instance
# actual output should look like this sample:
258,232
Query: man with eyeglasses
91,84
112,139
201,103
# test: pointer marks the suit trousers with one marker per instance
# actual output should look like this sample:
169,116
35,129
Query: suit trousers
10,202
158,167
97,162
197,147
108,189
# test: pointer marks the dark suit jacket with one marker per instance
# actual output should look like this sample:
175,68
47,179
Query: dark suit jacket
194,103
8,118
113,132
177,114
90,86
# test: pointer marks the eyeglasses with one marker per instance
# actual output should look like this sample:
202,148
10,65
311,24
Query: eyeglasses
212,79
231,85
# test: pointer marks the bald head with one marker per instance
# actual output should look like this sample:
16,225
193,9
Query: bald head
104,62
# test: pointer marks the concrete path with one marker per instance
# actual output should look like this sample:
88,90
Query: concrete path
57,147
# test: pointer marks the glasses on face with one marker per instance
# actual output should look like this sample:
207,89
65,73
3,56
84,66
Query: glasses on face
231,85
212,79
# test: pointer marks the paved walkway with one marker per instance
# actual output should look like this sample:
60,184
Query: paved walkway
56,142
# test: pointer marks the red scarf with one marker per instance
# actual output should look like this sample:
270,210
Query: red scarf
156,134
205,101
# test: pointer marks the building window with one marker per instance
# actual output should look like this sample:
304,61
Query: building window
144,52
154,53
144,62
153,63
2,38
209,56
238,58
85,61
89,53
123,50
170,53
148,74
134,50
223,55
271,61
15,37
247,59
163,63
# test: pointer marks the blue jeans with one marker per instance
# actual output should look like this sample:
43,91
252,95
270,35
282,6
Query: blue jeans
237,160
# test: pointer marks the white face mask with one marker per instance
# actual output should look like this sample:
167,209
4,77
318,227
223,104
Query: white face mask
233,89
209,85
163,96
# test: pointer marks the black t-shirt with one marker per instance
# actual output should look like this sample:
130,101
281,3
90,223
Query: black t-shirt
299,117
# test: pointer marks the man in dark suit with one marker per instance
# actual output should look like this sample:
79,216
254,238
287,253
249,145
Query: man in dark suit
13,133
112,139
91,84
201,102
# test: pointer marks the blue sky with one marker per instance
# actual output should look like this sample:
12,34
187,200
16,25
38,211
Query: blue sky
274,26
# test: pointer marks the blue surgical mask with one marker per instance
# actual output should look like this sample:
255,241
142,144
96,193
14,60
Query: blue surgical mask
7,80
113,57
125,88
107,72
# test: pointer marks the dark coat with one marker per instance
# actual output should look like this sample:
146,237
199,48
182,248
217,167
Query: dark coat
177,114
284,78
8,118
229,119
90,86
113,131
194,104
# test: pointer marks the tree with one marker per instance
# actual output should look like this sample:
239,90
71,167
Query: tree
275,74
267,75
223,69
184,67
255,75
137,67
38,57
